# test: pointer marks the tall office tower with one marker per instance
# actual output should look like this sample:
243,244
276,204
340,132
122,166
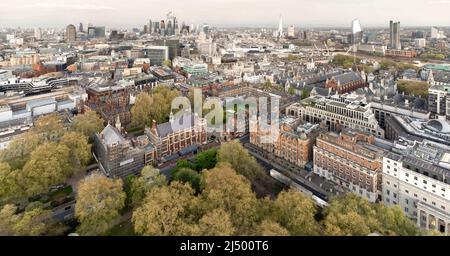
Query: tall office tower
38,33
291,31
175,26
394,29
150,27
169,28
145,29
71,33
280,27
80,28
156,28
162,26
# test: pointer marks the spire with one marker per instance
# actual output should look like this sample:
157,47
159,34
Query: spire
118,124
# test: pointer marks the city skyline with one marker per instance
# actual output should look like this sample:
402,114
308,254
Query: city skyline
245,13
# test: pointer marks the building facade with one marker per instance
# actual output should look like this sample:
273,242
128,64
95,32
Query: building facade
338,112
417,178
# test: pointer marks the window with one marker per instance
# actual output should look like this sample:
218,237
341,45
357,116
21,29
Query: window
407,174
406,201
395,195
442,207
406,191
424,182
433,203
415,195
406,209
415,178
424,199
388,192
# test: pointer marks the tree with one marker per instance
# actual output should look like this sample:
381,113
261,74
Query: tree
295,212
33,222
150,178
88,123
48,165
9,189
291,91
7,219
49,128
165,211
99,201
19,150
240,160
394,222
271,228
267,84
225,189
350,214
141,112
216,223
305,93
354,215
37,222
189,175
79,148
206,159
167,63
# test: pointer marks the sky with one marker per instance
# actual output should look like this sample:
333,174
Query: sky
301,13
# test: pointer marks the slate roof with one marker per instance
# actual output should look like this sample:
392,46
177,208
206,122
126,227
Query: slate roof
347,77
177,125
111,135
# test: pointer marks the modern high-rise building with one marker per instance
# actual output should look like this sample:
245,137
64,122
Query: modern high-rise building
157,54
96,32
38,33
291,31
394,35
150,27
80,28
71,33
280,27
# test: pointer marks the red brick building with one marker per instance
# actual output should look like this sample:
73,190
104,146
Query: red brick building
350,159
346,82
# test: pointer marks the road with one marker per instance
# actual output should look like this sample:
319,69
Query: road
310,181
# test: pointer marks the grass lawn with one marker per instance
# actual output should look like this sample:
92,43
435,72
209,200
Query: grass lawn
122,229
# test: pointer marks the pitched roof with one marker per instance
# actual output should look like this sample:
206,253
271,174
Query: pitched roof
111,135
177,125
347,77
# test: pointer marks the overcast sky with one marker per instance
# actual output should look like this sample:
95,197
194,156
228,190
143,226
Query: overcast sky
134,13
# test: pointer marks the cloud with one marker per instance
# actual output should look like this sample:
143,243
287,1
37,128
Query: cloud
65,6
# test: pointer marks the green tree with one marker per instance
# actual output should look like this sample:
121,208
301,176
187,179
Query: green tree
225,189
240,160
49,128
294,211
48,165
165,211
394,222
167,63
216,223
9,186
305,93
19,150
38,222
141,112
8,218
189,175
99,201
206,159
88,123
271,228
291,91
140,186
80,150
